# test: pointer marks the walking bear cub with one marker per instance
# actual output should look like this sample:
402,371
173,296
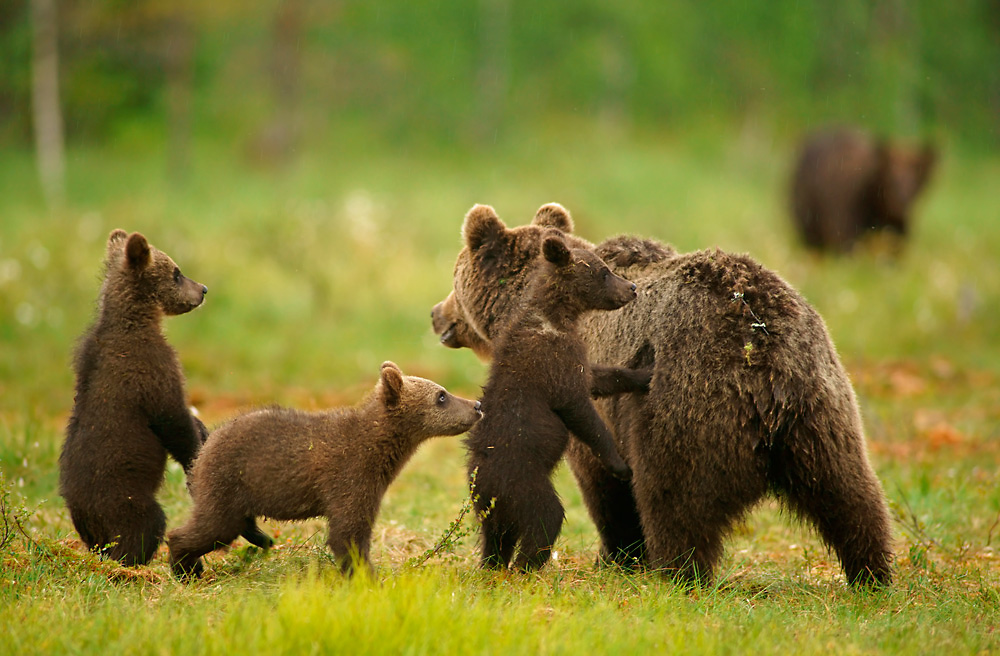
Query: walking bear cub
129,410
289,465
748,397
538,390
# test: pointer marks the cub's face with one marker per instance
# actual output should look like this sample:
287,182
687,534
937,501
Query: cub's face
588,280
491,274
425,408
152,275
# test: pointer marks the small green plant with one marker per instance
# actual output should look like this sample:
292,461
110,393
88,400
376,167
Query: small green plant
456,531
12,516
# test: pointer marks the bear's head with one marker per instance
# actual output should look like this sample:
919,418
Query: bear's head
491,273
901,174
141,276
572,281
421,408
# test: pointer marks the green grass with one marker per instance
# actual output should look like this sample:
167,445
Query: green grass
320,273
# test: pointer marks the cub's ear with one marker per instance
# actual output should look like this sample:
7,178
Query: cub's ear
556,251
116,243
554,215
137,254
392,384
482,226
117,238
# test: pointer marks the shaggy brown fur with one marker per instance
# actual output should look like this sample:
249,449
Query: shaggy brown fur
288,465
748,396
539,389
129,410
847,184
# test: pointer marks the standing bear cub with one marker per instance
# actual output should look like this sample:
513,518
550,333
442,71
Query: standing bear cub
538,390
129,411
288,465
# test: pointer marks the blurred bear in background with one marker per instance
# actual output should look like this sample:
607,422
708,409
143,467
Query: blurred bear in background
848,184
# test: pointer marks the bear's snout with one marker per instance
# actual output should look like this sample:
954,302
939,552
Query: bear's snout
478,407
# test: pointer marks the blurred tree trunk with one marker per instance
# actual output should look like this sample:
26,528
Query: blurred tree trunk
618,73
178,63
993,17
494,29
898,49
278,141
46,109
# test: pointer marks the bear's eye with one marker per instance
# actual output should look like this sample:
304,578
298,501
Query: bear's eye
177,275
442,397
605,274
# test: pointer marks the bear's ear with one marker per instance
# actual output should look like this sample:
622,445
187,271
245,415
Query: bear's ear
116,243
117,238
553,215
137,254
482,226
556,251
392,384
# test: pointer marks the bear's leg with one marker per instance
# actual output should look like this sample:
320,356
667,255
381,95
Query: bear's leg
542,521
138,536
252,534
497,547
686,556
611,505
499,528
610,381
92,537
830,481
685,518
350,541
200,535
495,507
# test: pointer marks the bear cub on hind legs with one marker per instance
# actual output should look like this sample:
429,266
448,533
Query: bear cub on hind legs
129,410
539,390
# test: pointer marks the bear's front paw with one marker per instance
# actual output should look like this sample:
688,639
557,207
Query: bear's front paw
622,472
643,379
200,430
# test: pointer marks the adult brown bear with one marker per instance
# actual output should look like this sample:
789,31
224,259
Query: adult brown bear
847,184
748,396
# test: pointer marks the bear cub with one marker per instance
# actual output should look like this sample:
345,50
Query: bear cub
288,464
129,410
539,390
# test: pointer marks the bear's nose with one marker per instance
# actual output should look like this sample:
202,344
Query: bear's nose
479,405
633,287
204,290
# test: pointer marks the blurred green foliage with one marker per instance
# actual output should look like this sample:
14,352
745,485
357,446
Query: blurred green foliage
445,70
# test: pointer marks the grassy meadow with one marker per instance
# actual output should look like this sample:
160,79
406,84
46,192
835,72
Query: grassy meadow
318,273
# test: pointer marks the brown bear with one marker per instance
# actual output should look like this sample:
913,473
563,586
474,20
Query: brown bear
129,410
847,184
288,465
537,391
748,396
